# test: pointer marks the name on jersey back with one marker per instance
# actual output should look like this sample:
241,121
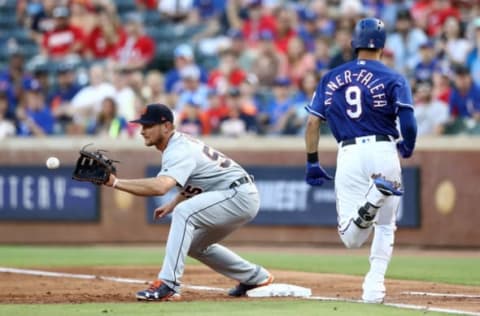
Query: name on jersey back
362,77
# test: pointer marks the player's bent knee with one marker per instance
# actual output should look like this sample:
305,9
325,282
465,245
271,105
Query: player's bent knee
351,243
194,253
180,212
197,253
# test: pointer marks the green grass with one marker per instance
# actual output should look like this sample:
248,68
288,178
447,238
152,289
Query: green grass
250,308
436,269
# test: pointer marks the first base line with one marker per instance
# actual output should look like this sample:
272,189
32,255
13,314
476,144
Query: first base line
215,289
441,294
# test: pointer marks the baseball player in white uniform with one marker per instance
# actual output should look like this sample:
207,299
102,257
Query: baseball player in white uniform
216,197
361,101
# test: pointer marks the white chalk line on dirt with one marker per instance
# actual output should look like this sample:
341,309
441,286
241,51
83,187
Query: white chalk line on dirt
397,305
98,277
214,289
441,294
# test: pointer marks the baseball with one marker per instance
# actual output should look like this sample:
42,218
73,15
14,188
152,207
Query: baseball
53,163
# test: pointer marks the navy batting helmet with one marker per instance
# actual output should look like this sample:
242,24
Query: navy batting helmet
369,33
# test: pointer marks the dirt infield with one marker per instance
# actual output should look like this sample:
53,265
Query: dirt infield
17,288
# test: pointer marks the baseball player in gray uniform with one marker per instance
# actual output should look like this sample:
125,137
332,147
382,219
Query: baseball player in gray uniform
216,197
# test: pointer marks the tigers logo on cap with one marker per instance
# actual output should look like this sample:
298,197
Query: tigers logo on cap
155,114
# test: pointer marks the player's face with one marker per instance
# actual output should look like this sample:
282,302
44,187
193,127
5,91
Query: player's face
156,134
152,134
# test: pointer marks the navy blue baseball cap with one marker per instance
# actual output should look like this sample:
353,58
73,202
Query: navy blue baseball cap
155,114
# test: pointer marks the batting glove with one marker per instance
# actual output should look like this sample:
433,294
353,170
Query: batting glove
404,150
316,175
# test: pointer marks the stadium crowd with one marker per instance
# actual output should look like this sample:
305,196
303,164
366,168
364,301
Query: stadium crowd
233,67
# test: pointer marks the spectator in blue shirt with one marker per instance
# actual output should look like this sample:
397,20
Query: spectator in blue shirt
59,99
192,88
280,107
66,87
473,58
465,96
307,29
428,63
35,118
208,9
183,57
12,79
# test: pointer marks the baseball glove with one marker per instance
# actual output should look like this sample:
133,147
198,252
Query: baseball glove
93,166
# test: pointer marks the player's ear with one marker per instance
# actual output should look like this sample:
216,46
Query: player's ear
169,126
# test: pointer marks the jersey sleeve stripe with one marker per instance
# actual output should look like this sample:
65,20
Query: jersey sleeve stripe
312,111
406,105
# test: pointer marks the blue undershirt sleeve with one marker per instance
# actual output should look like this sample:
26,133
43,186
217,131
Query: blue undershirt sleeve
408,126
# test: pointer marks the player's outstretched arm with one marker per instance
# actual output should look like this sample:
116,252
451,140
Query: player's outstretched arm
143,187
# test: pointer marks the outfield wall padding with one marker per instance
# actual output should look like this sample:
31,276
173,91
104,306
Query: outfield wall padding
449,194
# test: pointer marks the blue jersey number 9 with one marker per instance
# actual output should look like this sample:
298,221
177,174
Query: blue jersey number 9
353,96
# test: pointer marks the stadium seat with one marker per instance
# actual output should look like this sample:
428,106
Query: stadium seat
8,7
22,36
30,50
475,130
168,32
152,18
456,127
8,22
124,6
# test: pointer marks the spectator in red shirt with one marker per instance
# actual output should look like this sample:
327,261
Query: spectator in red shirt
217,110
441,86
82,15
64,39
285,29
137,49
105,37
441,10
257,22
228,74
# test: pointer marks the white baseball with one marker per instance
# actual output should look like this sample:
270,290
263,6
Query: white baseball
53,163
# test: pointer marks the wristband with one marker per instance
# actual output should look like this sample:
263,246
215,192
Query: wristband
115,183
312,157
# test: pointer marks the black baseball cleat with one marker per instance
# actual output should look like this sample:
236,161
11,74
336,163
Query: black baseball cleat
158,291
388,187
241,289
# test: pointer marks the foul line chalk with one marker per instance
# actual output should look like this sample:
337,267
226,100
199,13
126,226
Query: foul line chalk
398,305
214,289
98,277
442,294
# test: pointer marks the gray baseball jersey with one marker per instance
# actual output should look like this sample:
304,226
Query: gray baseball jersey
213,209
197,167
